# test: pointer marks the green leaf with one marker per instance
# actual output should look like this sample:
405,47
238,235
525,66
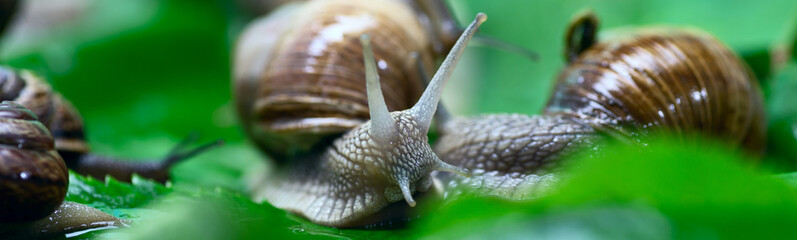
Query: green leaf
668,189
112,194
123,200
222,214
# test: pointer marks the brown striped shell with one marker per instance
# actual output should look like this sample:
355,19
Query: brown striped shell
656,79
52,109
66,125
683,80
299,79
33,177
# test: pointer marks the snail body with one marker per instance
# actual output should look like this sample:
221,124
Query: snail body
34,180
675,80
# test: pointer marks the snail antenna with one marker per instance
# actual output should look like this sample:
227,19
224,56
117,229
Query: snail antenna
183,151
383,126
404,184
580,34
424,110
442,115
499,44
446,167
8,10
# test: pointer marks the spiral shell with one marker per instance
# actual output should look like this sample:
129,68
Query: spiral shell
52,109
299,81
33,177
685,81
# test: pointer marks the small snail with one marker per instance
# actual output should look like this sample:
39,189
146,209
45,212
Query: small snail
66,125
311,91
682,81
33,182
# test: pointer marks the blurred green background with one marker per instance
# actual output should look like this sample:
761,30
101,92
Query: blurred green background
146,73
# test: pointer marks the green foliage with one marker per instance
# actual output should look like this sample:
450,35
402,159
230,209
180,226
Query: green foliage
124,200
145,73
112,194
221,214
666,190
160,212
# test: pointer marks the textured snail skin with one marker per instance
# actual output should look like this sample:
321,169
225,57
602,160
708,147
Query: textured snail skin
62,119
666,79
356,177
509,143
33,182
510,155
298,71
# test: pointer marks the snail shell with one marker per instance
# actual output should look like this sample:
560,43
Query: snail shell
34,180
685,81
34,177
55,112
298,71
663,79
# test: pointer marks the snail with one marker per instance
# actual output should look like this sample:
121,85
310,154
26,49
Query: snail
300,97
66,125
683,81
298,81
33,182
508,155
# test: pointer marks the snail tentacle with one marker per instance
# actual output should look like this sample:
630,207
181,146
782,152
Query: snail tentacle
424,110
383,126
580,35
182,151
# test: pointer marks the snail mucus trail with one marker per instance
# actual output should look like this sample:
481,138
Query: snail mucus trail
682,81
381,161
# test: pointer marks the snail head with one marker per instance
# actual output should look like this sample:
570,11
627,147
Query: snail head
397,142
